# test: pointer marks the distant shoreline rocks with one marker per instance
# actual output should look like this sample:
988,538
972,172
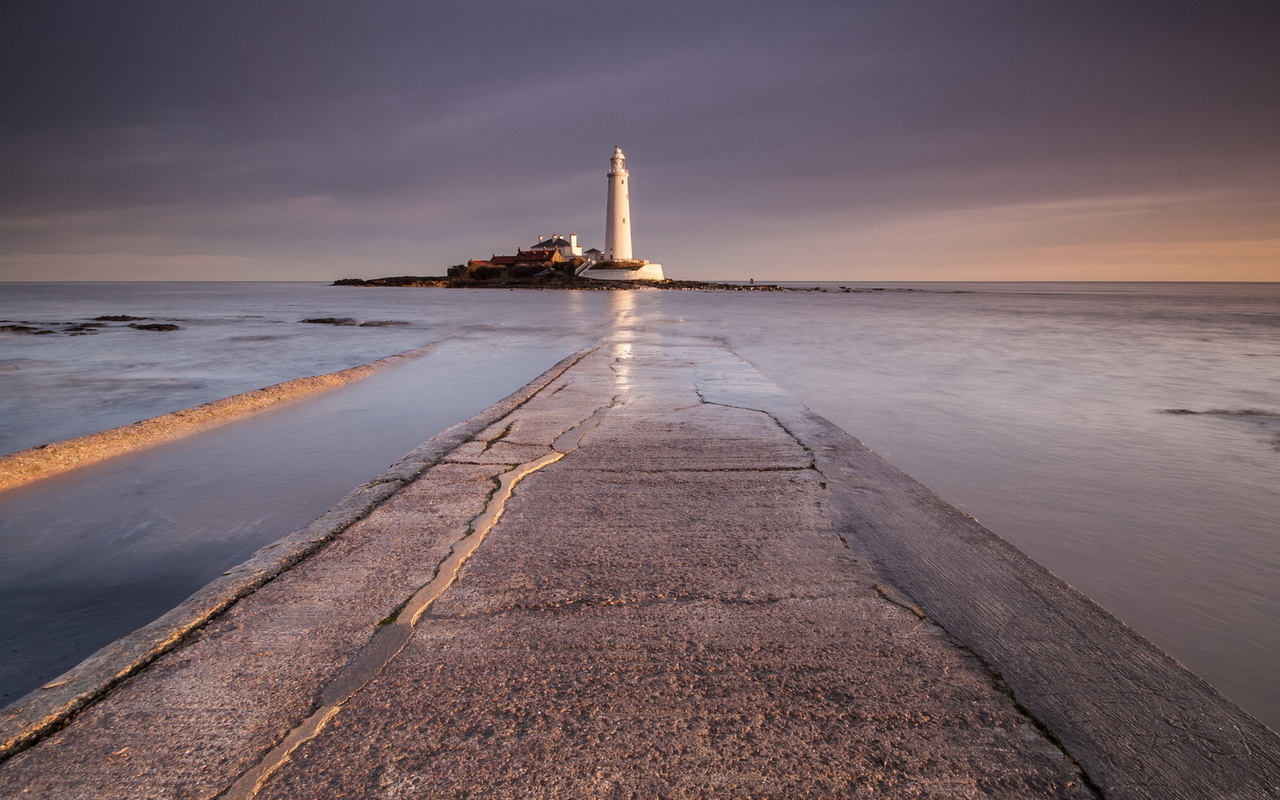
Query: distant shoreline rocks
551,280
562,280
348,321
88,328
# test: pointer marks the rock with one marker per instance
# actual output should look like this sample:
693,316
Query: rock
118,318
158,326
330,321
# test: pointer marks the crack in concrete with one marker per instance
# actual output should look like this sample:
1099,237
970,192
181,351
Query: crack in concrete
571,439
390,638
34,716
893,596
890,595
395,630
1002,687
502,434
484,463
813,461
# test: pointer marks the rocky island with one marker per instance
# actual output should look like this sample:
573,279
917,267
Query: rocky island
554,279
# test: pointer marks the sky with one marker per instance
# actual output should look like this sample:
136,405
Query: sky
874,140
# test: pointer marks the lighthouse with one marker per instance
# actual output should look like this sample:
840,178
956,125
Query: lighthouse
617,224
617,263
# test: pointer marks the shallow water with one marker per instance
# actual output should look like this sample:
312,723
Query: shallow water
1039,408
94,554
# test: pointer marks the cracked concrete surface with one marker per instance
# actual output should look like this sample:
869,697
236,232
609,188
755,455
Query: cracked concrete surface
397,627
670,602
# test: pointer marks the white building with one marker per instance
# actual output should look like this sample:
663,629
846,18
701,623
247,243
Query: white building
615,263
618,263
568,248
617,215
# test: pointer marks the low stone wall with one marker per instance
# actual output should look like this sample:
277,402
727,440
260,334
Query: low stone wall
644,272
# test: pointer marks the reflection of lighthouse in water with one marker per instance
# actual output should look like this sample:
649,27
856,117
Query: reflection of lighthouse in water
617,263
617,223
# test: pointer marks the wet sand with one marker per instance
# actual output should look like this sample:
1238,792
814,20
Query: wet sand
36,463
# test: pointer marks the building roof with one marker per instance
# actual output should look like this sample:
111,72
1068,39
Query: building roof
537,255
555,241
526,257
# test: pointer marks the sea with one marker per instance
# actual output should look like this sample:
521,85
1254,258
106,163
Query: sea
1124,435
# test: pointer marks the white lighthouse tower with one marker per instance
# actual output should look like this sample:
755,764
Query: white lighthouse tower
617,223
617,263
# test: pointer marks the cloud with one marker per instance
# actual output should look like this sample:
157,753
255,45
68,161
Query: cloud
408,134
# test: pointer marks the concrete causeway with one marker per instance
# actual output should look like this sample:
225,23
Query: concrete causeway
654,574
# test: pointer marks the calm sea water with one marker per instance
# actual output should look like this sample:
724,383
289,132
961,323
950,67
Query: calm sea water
1042,409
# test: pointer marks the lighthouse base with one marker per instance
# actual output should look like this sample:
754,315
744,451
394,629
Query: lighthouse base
628,270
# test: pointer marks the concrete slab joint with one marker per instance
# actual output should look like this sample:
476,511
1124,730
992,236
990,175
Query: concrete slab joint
652,574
